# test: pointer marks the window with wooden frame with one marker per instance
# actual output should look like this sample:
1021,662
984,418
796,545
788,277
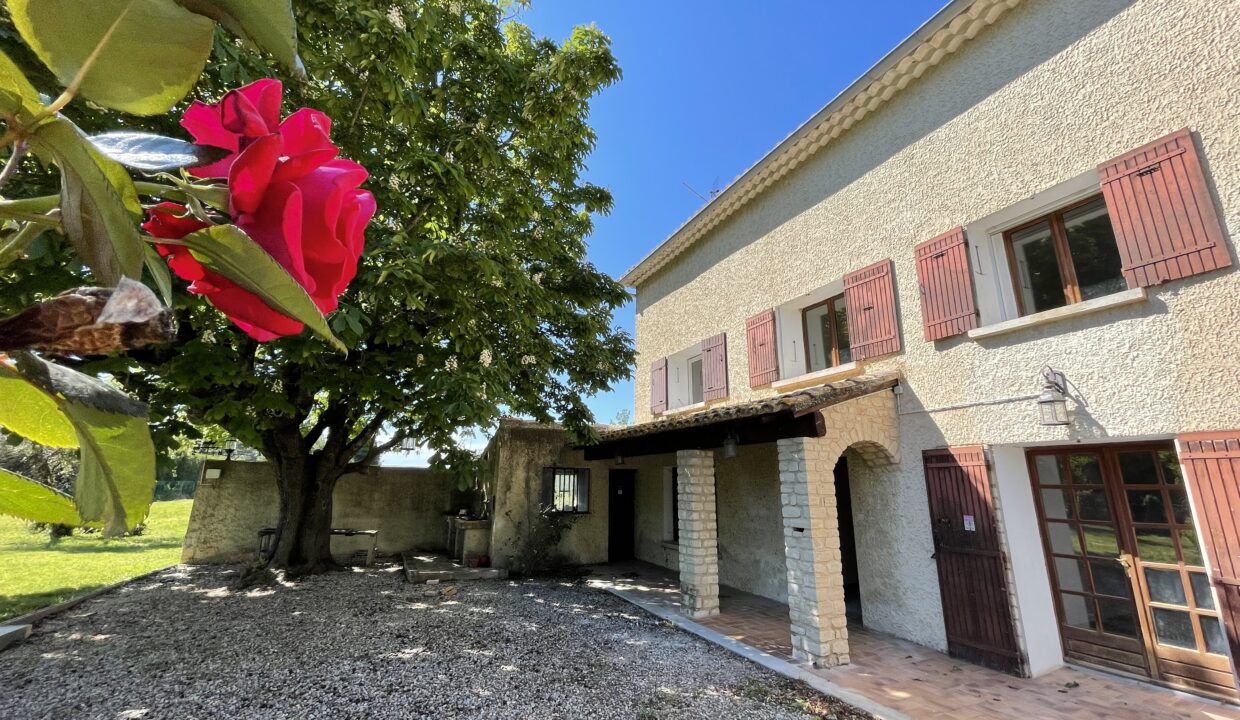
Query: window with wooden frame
566,490
1064,258
825,329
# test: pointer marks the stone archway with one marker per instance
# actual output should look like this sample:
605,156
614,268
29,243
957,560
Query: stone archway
870,426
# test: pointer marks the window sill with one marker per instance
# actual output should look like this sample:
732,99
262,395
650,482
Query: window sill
1114,300
819,377
671,545
685,409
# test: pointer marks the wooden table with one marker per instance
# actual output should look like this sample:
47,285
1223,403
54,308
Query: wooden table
266,537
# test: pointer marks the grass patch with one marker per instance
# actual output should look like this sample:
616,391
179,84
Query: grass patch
37,573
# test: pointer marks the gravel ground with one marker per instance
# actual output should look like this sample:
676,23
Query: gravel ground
183,644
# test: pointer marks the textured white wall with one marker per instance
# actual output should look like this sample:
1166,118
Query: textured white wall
751,535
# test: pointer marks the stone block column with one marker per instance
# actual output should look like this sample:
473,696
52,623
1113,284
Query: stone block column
699,532
812,548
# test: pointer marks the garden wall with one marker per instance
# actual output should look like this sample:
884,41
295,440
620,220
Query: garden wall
406,505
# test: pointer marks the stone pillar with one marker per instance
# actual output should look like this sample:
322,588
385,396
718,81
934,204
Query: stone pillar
812,547
699,532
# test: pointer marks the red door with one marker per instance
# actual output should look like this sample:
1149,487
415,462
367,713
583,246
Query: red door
972,573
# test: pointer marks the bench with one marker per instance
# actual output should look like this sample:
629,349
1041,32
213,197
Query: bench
267,536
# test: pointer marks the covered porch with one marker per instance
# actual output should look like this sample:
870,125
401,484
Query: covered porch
755,486
910,679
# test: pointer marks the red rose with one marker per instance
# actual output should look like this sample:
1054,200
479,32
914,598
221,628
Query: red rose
287,190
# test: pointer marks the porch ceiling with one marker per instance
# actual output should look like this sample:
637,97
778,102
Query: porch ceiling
793,414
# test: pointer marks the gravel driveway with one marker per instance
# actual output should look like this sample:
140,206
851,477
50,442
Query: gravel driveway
368,645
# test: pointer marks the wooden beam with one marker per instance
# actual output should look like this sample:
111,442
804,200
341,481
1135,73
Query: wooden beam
748,431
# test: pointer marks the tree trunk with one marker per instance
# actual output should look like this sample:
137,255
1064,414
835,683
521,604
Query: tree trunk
303,535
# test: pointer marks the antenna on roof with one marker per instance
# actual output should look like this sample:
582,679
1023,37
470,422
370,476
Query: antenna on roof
695,192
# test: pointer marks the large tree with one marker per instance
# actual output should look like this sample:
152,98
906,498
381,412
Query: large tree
474,296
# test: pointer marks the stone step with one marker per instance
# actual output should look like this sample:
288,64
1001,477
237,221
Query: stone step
13,634
432,568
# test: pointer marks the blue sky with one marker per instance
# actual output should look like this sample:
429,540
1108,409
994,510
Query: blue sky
708,89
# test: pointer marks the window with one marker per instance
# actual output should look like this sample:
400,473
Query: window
695,380
566,490
1063,258
825,327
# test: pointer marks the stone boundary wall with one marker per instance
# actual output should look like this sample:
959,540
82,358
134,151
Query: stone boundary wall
406,505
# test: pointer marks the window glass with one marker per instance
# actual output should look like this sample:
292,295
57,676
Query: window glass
569,493
1165,586
841,329
1056,505
1110,578
1078,611
1048,469
1216,641
1092,505
1201,590
1174,628
695,380
818,337
1137,468
1146,506
1190,548
1037,269
1095,255
1117,617
1071,574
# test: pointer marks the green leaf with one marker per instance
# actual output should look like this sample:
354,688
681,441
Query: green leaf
116,476
159,273
153,153
267,24
151,61
99,204
24,498
32,413
227,250
116,473
19,96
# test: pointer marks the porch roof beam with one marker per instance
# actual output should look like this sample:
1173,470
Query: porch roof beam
752,430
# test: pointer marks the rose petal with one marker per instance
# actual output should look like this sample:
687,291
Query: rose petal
307,144
251,174
277,228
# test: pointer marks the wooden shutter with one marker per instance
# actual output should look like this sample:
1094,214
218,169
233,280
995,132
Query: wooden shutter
1212,464
947,306
715,367
1162,212
763,352
972,575
871,298
583,489
658,386
546,495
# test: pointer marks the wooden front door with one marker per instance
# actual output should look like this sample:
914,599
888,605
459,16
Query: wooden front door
1130,582
621,486
972,575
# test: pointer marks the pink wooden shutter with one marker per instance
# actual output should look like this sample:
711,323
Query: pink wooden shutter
1164,217
715,367
947,306
763,358
1212,463
871,298
658,386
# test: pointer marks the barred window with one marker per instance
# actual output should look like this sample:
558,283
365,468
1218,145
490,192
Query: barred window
566,490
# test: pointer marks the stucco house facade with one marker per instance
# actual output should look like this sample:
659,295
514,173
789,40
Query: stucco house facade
956,360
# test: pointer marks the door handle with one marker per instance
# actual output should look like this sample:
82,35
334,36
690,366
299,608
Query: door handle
1126,560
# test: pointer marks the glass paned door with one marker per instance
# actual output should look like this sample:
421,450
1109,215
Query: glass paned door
1129,577
1098,616
1170,571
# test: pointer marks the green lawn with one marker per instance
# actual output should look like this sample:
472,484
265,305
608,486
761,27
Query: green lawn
34,573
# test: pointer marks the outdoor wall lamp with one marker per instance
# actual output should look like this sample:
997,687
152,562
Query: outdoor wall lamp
730,446
1053,402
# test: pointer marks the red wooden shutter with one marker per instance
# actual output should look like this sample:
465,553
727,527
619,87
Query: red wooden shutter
1212,464
972,576
870,294
715,367
1162,212
947,306
658,386
763,355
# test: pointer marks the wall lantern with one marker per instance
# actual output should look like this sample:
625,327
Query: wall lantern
1053,401
730,444
619,459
